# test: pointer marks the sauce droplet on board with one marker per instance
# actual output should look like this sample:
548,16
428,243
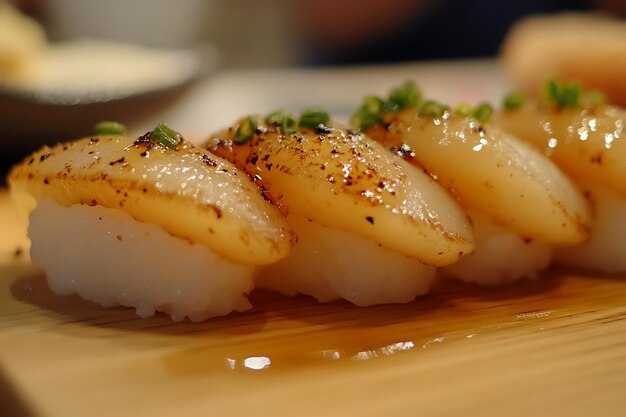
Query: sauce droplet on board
281,334
286,333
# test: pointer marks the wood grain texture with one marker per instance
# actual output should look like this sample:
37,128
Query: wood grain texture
555,346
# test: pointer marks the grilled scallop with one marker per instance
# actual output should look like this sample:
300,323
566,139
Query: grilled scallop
587,142
492,172
518,201
188,192
367,222
342,179
152,223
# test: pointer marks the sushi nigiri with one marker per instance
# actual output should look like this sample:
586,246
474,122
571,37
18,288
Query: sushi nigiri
368,223
151,222
586,139
586,47
519,201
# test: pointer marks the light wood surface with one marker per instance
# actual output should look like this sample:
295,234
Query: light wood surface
551,347
555,346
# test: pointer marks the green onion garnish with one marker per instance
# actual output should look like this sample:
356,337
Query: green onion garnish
245,131
289,124
407,95
433,108
463,110
312,118
593,98
553,89
109,128
166,136
372,105
274,117
571,95
362,120
286,123
564,95
368,114
513,100
483,112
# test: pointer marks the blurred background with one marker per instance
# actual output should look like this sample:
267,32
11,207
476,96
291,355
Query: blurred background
226,37
303,32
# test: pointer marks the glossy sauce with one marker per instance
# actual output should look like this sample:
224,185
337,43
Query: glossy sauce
282,334
300,332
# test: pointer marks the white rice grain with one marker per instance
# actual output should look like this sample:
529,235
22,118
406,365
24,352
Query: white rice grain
605,251
500,256
106,256
329,264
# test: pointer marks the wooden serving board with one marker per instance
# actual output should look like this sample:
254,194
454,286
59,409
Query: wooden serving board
555,346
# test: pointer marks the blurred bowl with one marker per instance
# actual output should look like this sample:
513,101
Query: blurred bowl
33,116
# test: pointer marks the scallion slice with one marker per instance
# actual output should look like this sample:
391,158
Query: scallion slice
368,114
166,136
513,100
593,98
463,110
407,95
313,117
483,112
564,95
275,117
109,128
245,131
289,124
433,108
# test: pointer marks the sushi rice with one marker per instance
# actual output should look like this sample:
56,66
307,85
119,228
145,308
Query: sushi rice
501,255
106,256
332,264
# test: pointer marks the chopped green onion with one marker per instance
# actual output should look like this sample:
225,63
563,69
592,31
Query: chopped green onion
166,136
463,110
289,124
357,121
312,118
483,112
571,95
368,114
407,95
275,117
245,131
433,108
109,128
372,105
391,107
553,90
593,98
363,120
513,100
561,94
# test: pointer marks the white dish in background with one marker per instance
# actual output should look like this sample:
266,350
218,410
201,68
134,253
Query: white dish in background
77,84
230,95
90,71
